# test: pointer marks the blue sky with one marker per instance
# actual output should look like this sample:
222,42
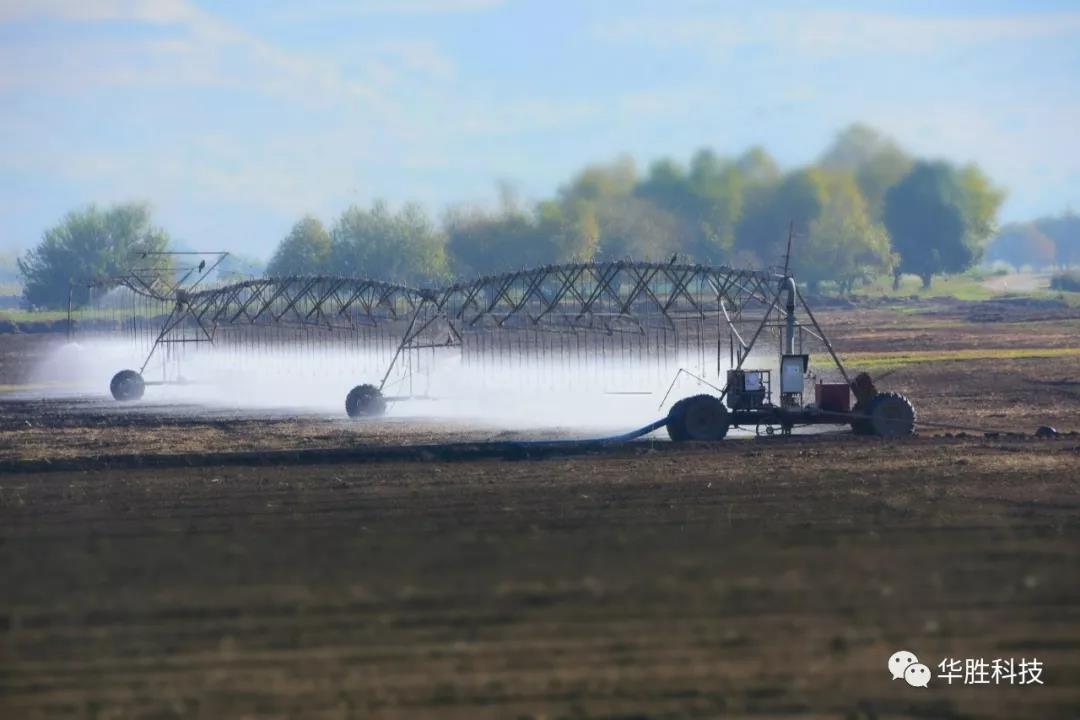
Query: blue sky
235,118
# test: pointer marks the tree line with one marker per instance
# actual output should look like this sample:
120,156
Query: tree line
1046,242
865,208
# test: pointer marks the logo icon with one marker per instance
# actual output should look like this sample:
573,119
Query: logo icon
904,665
900,661
917,675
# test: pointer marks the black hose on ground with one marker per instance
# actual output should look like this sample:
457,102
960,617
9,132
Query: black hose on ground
625,437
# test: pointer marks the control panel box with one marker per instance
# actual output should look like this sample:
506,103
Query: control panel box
747,389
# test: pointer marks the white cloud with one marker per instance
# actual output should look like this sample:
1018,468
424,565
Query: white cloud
836,33
391,63
285,167
310,129
418,7
322,11
155,11
825,33
203,51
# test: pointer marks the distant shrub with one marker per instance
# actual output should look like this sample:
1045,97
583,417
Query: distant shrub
1068,280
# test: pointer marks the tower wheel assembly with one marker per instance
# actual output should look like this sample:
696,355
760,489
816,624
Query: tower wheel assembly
127,385
699,417
365,401
891,415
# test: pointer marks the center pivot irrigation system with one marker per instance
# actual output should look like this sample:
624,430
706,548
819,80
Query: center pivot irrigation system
579,324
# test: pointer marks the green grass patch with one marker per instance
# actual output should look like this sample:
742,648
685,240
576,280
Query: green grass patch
960,287
21,316
888,360
26,316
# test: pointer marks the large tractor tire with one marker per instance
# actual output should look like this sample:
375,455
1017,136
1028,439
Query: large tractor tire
127,385
891,415
700,417
365,401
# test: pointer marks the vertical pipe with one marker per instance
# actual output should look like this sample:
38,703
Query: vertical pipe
790,344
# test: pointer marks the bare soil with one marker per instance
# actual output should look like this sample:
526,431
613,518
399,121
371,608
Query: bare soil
345,577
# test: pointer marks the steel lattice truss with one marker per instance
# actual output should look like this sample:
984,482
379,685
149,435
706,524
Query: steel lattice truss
325,302
603,295
669,311
619,296
587,319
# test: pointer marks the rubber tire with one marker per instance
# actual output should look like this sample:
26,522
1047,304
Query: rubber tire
365,401
676,425
891,415
699,417
127,385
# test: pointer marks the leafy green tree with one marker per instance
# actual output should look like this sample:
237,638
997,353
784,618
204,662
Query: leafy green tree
798,199
667,186
924,214
720,186
876,162
757,168
513,238
844,244
980,201
91,245
692,212
377,243
574,233
635,228
854,146
759,176
704,203
479,243
599,183
304,251
668,189
878,175
622,216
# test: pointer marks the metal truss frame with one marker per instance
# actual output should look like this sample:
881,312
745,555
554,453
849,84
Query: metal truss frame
611,297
